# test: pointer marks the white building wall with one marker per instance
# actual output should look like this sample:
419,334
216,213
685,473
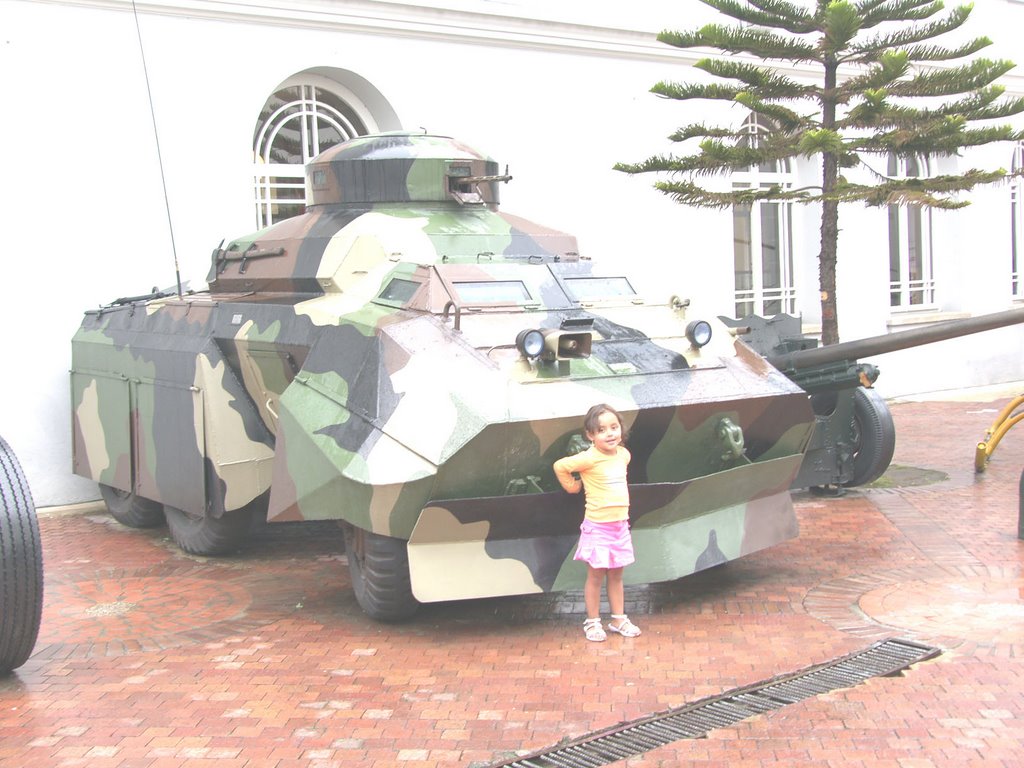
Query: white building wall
559,91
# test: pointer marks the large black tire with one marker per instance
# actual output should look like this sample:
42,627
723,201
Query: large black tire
132,510
380,574
208,535
874,437
21,565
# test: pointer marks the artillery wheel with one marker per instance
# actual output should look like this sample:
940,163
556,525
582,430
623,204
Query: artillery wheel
208,535
21,565
380,574
874,437
131,509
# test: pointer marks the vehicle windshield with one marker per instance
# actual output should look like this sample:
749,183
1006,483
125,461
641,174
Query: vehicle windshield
399,290
492,292
501,285
592,288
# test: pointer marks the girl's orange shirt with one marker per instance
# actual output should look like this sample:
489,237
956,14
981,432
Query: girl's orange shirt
603,479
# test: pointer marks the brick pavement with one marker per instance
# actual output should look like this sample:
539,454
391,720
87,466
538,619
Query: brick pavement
148,658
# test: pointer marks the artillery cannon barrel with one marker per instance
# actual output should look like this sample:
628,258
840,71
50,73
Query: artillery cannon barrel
890,342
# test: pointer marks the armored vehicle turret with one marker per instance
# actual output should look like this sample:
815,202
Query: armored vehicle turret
409,360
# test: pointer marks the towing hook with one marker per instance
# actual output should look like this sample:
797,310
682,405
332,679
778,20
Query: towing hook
731,436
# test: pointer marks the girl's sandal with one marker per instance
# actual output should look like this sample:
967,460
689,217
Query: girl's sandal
626,628
594,631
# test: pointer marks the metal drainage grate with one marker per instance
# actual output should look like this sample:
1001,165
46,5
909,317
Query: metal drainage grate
692,721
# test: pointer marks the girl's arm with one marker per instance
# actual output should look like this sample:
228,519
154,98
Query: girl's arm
563,472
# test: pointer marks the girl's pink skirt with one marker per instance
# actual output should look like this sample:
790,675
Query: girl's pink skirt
605,545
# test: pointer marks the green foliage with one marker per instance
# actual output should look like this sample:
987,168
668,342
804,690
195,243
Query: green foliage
877,92
818,140
840,25
868,112
935,192
760,43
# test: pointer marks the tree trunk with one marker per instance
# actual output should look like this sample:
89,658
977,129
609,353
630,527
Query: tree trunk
827,262
828,256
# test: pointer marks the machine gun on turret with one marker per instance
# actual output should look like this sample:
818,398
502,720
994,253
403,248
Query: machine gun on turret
854,436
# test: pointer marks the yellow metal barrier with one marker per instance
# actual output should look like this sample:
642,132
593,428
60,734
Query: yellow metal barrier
1006,419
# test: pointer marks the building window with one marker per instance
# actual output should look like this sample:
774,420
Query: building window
1017,224
762,235
911,285
296,124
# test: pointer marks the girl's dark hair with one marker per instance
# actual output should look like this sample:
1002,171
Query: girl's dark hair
590,421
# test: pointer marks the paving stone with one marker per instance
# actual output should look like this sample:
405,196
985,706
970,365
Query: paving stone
147,657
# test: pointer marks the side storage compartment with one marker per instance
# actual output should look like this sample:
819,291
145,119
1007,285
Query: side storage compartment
160,417
140,436
101,433
170,448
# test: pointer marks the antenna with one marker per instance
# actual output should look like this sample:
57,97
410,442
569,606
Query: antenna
159,156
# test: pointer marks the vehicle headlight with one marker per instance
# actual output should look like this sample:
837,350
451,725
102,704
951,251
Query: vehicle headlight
530,342
698,332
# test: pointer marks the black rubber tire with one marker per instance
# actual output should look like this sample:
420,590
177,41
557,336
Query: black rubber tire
208,535
21,565
130,509
874,437
380,574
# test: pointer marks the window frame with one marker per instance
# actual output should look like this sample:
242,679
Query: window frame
279,189
909,233
757,298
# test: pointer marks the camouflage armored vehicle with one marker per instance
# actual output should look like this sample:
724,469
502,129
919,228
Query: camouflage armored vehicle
408,360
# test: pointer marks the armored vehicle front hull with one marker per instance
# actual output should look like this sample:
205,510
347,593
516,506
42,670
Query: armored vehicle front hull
194,404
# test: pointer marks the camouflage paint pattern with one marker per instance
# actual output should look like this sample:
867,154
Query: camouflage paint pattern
359,363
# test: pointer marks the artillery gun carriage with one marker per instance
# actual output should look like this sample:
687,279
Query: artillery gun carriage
854,436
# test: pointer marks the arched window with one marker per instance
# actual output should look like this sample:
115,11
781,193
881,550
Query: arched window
911,285
305,116
1017,224
762,235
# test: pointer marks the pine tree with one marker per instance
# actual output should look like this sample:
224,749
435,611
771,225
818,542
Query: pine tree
884,88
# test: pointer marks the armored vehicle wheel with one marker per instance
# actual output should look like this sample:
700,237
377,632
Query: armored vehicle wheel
874,437
21,565
208,535
380,574
130,509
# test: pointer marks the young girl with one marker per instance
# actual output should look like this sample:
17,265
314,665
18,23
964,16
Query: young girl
605,544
